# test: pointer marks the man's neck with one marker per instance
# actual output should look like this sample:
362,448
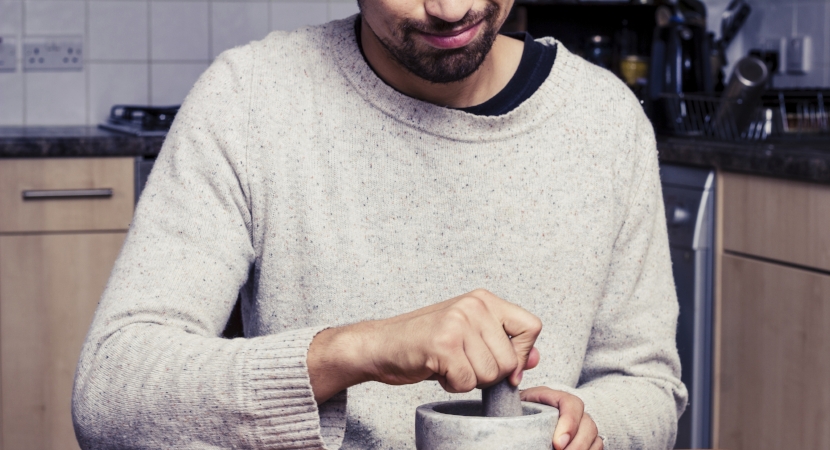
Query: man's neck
490,78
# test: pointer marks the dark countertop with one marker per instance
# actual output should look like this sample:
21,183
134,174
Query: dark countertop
805,160
35,142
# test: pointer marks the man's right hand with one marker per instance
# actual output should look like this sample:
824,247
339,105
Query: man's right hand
462,343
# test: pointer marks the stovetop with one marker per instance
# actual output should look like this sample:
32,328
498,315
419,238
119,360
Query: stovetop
141,120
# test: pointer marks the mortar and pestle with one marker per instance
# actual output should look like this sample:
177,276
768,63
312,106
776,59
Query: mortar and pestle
499,421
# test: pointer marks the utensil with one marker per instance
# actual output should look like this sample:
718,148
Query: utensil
742,95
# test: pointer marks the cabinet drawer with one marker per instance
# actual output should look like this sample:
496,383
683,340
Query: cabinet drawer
66,194
782,220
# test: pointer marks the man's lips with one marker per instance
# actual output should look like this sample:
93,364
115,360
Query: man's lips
456,39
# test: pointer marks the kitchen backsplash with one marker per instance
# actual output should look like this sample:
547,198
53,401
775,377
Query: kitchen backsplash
774,20
151,51
136,51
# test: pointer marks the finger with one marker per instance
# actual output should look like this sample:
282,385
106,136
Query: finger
501,350
484,363
533,359
524,328
570,408
585,435
460,376
598,444
490,351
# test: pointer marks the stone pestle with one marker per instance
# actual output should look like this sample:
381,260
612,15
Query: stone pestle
501,400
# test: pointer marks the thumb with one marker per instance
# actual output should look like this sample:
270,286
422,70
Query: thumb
523,337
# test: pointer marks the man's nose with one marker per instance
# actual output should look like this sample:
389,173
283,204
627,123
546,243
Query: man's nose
449,10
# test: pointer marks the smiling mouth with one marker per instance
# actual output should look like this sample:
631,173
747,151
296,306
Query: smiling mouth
453,39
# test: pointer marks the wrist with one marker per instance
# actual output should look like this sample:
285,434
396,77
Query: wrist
336,361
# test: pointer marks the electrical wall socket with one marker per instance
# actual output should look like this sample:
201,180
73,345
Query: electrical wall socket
778,45
8,54
53,53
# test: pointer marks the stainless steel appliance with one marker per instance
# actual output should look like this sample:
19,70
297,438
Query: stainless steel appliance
143,166
689,195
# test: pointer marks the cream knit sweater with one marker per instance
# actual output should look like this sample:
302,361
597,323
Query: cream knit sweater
296,176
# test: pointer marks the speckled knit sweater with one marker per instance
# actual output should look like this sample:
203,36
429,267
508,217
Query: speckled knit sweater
296,176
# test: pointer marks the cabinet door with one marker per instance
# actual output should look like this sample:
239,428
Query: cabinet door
49,288
782,220
775,372
66,194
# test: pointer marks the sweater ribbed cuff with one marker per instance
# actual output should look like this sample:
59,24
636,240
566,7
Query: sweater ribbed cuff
279,396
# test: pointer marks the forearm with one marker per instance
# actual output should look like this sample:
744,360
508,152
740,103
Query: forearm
155,386
337,360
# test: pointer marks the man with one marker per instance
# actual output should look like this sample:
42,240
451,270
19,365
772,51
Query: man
353,181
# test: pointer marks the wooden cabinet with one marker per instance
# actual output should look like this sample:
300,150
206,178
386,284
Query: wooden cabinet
772,385
55,258
782,220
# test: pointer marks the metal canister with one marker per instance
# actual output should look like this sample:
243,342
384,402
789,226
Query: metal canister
742,96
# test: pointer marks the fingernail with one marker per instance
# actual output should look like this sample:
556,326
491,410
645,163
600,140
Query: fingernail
564,439
519,378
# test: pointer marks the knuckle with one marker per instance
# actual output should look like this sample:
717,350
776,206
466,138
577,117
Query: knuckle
490,372
481,293
592,426
535,325
455,319
578,403
464,381
472,305
507,363
446,341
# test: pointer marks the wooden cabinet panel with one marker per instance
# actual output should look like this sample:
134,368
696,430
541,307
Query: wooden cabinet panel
775,357
66,214
777,219
49,288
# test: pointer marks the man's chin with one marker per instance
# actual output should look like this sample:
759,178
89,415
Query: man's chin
448,66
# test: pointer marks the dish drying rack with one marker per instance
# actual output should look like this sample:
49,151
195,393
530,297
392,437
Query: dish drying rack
785,114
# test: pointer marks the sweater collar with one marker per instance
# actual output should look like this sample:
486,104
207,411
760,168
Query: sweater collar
550,98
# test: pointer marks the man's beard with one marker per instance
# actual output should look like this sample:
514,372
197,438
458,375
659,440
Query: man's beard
444,65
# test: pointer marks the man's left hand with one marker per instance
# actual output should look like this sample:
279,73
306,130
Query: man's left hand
575,429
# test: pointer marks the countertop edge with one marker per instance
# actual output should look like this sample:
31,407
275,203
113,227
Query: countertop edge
801,161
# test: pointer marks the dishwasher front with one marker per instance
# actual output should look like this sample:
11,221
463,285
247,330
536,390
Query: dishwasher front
689,198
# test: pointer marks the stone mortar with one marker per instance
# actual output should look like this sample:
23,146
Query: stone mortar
461,425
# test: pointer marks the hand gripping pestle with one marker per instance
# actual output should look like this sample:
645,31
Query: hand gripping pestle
499,421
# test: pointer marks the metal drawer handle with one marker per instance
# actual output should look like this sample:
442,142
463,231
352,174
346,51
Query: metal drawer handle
66,193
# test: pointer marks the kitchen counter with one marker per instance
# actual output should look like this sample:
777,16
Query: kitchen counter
803,160
807,160
35,142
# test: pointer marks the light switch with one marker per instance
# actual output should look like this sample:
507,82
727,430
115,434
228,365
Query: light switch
798,55
8,54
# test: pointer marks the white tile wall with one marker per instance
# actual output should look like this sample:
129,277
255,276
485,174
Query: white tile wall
342,10
55,98
137,51
10,14
11,99
118,31
117,83
58,17
179,31
237,23
290,15
172,81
